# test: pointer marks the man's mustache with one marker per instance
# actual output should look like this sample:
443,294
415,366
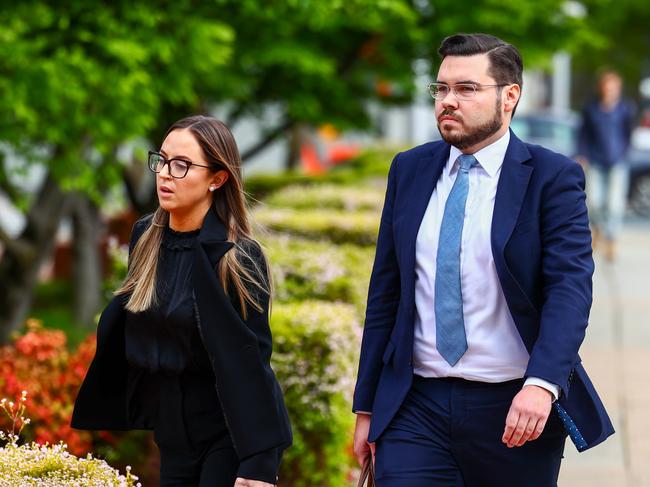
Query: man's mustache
449,113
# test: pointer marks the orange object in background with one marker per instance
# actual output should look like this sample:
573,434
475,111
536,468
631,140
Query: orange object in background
322,151
343,153
310,161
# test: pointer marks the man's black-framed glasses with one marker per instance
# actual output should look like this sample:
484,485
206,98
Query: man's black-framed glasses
462,91
177,167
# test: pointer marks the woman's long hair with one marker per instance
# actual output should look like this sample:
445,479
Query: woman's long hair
238,270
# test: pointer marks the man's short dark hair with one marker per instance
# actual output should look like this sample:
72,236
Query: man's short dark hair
506,65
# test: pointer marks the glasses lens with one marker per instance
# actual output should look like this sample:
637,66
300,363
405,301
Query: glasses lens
156,162
465,92
438,91
178,168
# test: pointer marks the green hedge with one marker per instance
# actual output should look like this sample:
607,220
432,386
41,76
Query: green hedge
370,163
327,196
358,228
315,356
305,269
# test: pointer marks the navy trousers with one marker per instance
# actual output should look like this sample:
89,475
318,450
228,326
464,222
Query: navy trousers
448,433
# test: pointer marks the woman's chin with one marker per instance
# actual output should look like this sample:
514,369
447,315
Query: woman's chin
166,205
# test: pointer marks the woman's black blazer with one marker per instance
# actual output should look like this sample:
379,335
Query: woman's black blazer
239,350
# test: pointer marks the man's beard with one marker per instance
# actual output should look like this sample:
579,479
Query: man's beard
477,134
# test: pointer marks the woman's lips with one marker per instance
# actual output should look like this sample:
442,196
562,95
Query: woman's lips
165,191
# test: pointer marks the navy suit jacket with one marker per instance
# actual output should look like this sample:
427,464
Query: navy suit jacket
541,246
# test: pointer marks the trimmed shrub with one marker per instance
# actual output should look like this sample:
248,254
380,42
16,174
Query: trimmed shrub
371,163
315,356
337,226
306,269
328,196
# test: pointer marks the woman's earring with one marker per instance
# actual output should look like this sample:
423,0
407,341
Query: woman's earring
212,188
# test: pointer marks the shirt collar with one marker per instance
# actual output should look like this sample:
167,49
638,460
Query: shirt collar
490,157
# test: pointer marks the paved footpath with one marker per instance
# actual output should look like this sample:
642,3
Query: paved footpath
616,353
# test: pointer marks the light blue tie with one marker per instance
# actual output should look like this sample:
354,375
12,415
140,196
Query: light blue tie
450,325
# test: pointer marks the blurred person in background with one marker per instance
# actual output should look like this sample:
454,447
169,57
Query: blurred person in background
603,143
185,345
469,373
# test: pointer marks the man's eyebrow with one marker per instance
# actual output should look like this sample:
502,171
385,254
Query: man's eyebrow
461,82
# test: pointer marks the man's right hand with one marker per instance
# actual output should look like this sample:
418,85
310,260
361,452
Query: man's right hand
361,446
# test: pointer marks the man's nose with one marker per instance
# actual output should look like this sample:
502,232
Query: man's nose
449,100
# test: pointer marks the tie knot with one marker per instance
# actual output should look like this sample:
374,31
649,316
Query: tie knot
467,161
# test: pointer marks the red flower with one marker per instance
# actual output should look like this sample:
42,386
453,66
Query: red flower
39,362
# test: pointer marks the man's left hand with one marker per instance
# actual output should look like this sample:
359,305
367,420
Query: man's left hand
240,482
527,415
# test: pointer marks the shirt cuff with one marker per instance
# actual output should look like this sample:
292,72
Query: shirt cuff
363,412
262,466
544,384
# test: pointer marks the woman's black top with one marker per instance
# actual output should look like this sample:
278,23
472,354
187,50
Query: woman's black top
166,337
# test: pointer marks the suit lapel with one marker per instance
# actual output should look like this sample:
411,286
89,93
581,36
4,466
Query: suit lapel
511,189
426,177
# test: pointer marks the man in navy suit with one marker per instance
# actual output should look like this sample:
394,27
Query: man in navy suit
479,297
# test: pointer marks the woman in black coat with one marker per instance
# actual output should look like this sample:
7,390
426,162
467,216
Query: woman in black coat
184,348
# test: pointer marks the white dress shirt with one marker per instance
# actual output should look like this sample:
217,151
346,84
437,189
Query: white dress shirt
496,352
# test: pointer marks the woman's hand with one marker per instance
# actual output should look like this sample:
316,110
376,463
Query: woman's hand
240,482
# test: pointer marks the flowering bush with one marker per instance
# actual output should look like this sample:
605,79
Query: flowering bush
47,465
304,269
337,226
119,256
34,465
39,361
315,355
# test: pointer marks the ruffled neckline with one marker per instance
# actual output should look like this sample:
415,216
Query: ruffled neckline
175,240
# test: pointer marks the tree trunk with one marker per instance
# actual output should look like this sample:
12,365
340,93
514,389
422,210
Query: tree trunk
294,142
24,256
87,266
140,188
269,138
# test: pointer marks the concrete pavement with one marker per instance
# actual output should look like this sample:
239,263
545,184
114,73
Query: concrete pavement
616,353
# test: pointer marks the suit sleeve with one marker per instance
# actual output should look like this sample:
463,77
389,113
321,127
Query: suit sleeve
383,302
567,269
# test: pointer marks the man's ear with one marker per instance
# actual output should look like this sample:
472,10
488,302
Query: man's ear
511,95
219,179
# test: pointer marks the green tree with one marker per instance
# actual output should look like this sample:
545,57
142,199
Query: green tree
622,42
78,79
319,61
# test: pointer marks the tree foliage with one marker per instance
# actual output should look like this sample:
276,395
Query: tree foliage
621,41
80,79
